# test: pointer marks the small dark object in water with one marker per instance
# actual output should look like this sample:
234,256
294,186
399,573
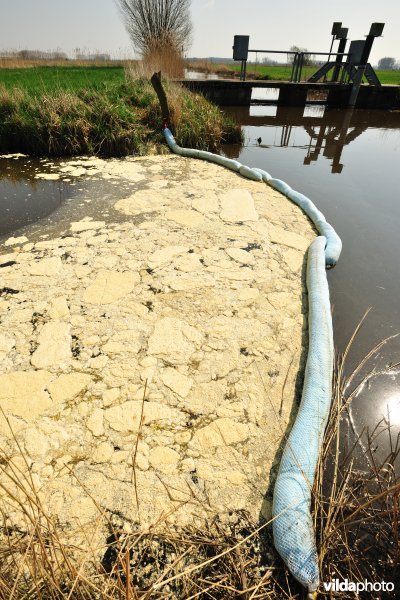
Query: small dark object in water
251,246
6,291
9,263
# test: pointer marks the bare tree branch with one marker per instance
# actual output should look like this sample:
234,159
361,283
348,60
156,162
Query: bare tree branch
156,24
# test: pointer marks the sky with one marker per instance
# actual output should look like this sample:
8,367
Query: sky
96,25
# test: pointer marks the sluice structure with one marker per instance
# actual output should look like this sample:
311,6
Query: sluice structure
339,80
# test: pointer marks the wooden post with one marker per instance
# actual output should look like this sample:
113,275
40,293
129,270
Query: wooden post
158,87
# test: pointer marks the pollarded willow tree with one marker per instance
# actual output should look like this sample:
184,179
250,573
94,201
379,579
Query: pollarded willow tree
154,25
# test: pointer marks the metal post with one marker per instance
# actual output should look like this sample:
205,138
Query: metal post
244,70
339,58
295,57
336,28
297,67
375,31
301,62
337,167
367,49
356,85
329,57
331,48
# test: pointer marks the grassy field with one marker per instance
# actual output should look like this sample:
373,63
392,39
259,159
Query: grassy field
37,80
99,110
282,73
389,77
279,72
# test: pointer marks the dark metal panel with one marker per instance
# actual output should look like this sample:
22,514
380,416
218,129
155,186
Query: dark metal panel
355,52
240,47
376,29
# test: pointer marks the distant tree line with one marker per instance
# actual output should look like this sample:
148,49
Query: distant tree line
54,55
34,54
309,59
388,63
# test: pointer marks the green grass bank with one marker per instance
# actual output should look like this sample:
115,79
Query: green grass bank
66,111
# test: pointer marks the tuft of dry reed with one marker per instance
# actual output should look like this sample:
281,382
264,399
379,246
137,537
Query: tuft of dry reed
357,497
162,54
165,59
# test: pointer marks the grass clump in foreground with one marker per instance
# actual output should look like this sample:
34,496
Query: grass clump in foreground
356,519
108,118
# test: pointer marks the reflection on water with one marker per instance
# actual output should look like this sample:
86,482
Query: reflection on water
391,408
191,74
374,414
265,94
330,139
24,199
41,208
347,162
328,131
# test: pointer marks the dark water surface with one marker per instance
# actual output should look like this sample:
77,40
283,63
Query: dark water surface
40,208
348,163
23,198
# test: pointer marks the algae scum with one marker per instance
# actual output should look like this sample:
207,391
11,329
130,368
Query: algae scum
169,288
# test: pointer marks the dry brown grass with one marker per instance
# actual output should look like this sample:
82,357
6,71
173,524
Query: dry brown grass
207,67
159,58
356,518
204,66
159,563
356,496
14,62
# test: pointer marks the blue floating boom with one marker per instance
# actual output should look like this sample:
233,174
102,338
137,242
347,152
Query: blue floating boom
293,527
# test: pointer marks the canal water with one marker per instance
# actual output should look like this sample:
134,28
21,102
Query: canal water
40,208
348,163
20,192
